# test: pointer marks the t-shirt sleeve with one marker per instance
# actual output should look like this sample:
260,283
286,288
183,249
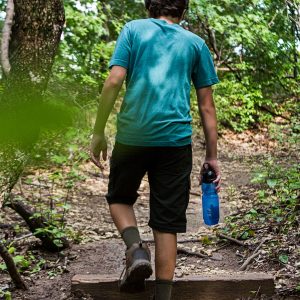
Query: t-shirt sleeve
122,51
204,73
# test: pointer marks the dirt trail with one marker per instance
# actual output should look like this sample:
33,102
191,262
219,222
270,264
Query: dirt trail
102,251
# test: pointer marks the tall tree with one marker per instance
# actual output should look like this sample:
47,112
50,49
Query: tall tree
31,35
34,40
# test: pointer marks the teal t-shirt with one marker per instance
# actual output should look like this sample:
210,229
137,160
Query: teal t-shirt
162,60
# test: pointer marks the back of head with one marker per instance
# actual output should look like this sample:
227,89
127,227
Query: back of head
173,8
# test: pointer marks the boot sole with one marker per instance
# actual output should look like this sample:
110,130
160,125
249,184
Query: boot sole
136,275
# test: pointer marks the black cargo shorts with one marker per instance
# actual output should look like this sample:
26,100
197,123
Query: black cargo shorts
168,170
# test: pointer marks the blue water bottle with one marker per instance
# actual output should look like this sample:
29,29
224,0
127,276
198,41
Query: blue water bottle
210,198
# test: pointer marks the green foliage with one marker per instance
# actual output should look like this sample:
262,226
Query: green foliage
20,261
238,104
287,134
284,259
255,54
27,262
21,122
280,192
255,46
277,202
6,295
92,28
256,50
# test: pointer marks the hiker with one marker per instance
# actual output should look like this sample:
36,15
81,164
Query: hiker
159,59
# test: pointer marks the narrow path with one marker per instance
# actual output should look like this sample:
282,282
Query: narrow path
101,250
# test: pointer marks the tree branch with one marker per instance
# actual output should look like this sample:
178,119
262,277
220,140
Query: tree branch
255,253
213,43
11,267
233,240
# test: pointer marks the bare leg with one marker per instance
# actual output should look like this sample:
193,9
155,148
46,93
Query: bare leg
138,264
165,255
123,216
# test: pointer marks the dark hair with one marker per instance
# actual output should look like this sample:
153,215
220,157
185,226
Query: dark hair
173,8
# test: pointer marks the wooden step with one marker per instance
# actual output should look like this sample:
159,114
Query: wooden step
201,287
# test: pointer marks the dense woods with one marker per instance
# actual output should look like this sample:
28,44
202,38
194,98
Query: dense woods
54,57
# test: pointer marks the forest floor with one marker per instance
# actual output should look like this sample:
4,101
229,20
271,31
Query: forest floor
100,250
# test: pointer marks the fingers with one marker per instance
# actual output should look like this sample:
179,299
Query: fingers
217,179
218,187
104,154
218,183
96,161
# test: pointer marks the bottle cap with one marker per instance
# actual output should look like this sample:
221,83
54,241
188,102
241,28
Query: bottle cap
209,175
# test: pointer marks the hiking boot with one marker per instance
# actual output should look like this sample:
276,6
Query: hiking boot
138,268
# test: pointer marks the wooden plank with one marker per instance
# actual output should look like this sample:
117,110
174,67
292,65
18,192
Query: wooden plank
204,287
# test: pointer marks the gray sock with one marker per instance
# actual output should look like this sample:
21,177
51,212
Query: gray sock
130,235
163,289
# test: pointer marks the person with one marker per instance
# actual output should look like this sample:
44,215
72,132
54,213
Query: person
159,59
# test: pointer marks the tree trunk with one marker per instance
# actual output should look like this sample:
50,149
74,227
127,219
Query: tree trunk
33,45
34,41
6,34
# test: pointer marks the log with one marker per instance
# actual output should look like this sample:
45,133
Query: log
34,223
204,287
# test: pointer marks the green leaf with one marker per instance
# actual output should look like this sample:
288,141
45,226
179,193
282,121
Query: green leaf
11,250
245,235
272,183
3,267
18,259
253,211
66,206
261,194
283,258
7,296
206,240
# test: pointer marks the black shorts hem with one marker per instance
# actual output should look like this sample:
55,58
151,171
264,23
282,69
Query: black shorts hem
168,229
121,200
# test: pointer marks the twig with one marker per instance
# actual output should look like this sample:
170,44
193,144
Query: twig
179,242
189,241
226,237
181,250
195,193
248,261
240,255
222,246
257,292
37,185
259,246
255,253
22,237
187,252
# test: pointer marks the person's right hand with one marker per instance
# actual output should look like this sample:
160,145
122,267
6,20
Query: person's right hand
98,145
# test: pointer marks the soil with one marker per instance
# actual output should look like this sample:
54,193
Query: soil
101,250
